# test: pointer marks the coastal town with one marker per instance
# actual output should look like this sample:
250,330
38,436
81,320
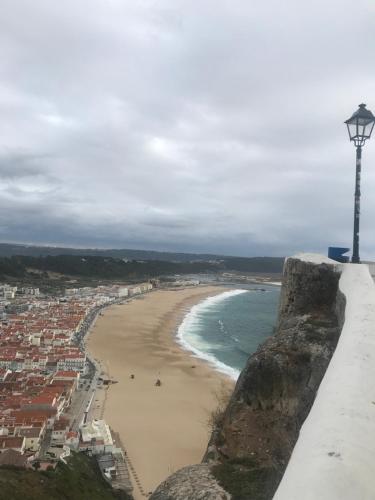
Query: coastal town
49,383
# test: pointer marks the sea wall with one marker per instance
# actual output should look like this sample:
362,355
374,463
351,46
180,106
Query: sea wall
254,438
335,454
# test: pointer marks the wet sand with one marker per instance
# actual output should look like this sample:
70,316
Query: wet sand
162,428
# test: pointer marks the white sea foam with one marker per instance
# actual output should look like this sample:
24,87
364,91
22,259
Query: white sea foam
190,326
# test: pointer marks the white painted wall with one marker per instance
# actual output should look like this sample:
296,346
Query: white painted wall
371,266
334,458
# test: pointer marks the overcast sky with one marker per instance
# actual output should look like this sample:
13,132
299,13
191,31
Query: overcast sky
204,126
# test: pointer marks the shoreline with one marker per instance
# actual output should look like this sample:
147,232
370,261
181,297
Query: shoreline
163,428
188,324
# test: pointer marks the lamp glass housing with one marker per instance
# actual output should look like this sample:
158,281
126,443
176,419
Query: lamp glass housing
360,125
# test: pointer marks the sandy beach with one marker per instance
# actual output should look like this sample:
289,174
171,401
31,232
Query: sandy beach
162,428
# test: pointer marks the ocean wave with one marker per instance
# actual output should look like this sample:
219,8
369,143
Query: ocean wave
190,326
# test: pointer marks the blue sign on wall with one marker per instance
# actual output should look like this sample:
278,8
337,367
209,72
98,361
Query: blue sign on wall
336,253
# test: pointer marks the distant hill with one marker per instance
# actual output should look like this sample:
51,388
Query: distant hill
246,264
10,249
110,268
21,262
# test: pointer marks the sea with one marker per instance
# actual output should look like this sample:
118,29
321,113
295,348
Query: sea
226,328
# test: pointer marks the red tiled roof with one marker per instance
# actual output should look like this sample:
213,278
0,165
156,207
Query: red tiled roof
68,374
11,442
13,457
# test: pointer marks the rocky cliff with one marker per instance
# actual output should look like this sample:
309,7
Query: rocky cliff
253,440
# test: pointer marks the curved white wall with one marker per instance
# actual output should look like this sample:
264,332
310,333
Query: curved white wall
334,457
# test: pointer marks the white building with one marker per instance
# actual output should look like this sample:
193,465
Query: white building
72,362
96,437
32,435
135,290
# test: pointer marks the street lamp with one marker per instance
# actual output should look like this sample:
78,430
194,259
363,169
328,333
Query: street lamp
360,126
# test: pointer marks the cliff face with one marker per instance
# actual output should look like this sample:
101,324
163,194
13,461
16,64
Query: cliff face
250,448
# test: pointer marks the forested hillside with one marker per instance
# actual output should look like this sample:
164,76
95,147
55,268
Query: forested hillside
112,268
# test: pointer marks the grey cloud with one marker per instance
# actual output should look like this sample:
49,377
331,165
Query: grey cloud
214,127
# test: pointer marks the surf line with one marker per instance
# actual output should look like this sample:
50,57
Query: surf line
190,323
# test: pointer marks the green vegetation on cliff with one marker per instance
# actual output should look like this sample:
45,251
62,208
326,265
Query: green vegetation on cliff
79,480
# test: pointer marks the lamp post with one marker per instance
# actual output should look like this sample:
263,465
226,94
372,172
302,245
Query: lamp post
360,126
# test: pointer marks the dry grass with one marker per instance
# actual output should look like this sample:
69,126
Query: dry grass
216,416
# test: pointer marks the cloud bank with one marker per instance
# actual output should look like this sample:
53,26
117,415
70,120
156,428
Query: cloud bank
211,126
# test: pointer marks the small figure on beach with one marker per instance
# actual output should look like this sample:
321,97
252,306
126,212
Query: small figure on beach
158,382
132,376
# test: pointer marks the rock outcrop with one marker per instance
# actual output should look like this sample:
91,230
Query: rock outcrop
195,481
251,445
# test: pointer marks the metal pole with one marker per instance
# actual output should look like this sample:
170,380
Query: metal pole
357,201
